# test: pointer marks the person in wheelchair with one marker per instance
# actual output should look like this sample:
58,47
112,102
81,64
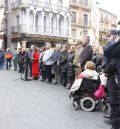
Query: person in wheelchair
87,82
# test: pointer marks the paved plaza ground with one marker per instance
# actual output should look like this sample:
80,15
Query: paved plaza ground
37,105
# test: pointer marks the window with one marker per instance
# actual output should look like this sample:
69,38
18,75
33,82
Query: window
85,2
81,2
74,1
86,19
106,18
17,20
101,17
73,17
85,32
74,33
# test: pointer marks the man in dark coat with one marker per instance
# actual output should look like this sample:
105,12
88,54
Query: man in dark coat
62,62
87,52
55,66
71,67
112,52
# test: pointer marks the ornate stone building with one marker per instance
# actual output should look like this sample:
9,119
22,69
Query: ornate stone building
38,21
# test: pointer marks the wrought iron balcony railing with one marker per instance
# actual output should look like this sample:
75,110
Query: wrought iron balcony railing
38,30
50,6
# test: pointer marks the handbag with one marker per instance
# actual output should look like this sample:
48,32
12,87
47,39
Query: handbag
100,93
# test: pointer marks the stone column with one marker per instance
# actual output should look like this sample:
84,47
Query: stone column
34,22
50,22
28,15
24,44
69,26
65,24
43,15
58,23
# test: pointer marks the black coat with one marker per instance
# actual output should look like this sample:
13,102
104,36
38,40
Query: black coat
62,61
21,57
86,54
97,59
70,65
112,51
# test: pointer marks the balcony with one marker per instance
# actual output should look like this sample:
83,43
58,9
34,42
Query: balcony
49,6
105,30
77,4
20,29
81,24
38,30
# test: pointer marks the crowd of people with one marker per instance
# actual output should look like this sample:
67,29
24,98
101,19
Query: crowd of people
62,64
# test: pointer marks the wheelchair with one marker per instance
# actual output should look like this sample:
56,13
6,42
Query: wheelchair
84,96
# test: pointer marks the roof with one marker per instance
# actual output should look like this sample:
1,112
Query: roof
107,12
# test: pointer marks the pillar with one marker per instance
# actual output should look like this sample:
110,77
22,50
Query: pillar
28,15
43,15
34,21
24,44
50,15
65,24
70,26
58,23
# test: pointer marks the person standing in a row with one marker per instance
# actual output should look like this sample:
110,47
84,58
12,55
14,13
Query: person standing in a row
71,67
2,58
8,57
87,52
21,60
15,59
62,62
35,63
55,66
47,60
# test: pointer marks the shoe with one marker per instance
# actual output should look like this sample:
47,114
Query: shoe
107,115
48,82
68,87
55,83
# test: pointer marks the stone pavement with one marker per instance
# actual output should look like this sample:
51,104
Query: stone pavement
36,105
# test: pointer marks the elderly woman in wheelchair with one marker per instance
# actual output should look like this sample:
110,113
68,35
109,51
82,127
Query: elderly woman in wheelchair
84,87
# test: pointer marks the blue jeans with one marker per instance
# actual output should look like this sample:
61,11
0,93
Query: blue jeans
1,65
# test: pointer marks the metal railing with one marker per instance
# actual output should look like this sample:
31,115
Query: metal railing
80,3
50,6
19,29
38,30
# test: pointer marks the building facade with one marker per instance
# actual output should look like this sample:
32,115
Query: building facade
37,21
84,20
1,23
107,22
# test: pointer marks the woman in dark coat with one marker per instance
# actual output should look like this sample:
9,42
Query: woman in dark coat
70,67
21,60
62,62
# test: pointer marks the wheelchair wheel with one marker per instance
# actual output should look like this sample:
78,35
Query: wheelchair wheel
75,105
87,104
